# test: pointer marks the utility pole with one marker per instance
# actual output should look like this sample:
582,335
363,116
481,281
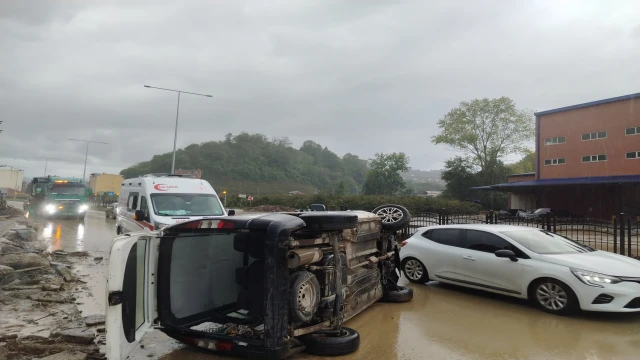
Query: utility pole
175,135
86,155
46,161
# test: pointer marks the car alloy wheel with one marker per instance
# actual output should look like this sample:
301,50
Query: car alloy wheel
551,296
390,215
413,269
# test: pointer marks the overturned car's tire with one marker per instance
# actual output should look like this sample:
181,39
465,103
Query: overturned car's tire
332,345
304,296
394,217
403,294
329,221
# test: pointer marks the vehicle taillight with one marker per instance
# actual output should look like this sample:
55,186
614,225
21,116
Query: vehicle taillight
215,224
208,224
403,243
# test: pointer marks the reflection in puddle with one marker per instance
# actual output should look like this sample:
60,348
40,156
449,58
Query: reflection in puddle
80,238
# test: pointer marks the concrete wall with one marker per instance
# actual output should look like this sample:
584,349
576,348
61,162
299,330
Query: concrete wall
105,183
11,178
613,118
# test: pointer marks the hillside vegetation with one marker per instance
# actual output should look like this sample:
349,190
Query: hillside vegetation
254,164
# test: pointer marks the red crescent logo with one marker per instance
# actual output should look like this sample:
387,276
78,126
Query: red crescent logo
163,187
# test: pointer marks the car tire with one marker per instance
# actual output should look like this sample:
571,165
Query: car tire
329,221
304,296
403,294
561,294
331,345
415,271
394,217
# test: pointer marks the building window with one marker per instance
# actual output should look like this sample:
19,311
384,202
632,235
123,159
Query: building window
555,140
594,158
633,155
594,135
632,131
554,161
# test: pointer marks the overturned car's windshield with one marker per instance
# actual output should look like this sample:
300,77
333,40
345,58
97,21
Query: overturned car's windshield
186,205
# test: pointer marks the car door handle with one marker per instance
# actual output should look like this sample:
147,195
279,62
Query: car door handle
469,258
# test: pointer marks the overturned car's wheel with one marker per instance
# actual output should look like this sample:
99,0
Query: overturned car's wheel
329,221
394,217
304,296
323,344
403,294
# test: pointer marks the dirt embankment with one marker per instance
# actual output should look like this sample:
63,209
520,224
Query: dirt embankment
39,316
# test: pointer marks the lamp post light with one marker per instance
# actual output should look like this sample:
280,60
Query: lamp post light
175,135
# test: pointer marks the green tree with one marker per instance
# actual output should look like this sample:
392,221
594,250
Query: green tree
383,177
460,176
486,130
525,165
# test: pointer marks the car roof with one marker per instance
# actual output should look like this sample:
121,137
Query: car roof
484,227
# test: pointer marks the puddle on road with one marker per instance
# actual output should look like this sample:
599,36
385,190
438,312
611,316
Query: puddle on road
447,322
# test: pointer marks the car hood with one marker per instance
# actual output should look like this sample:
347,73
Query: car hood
602,262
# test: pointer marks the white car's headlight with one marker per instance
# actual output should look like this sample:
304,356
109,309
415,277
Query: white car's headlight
50,207
83,208
594,279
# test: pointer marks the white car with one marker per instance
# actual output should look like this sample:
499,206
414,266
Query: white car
557,274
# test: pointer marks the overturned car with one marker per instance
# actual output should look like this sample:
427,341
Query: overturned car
262,285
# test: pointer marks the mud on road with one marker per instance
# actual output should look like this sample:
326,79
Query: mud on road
37,297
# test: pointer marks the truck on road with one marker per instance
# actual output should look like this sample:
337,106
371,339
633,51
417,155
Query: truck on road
57,196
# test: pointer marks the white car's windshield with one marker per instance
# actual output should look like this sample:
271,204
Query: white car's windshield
186,205
544,242
541,211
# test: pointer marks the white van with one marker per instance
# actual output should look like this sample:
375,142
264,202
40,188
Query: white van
154,201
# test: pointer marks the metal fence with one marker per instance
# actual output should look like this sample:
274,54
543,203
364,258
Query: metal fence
621,235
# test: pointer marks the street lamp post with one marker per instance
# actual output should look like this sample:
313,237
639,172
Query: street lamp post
175,135
46,161
86,154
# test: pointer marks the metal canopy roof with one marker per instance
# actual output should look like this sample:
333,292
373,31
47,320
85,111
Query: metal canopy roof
594,180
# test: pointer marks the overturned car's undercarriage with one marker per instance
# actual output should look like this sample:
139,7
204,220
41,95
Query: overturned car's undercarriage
272,285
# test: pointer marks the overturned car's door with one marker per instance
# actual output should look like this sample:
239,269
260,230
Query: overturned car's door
131,292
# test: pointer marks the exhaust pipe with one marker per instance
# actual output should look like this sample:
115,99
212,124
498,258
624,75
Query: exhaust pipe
299,257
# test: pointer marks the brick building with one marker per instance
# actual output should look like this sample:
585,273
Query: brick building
587,160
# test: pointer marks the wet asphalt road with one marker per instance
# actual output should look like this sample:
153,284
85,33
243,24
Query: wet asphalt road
442,322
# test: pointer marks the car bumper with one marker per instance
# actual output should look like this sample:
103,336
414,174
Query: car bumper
626,297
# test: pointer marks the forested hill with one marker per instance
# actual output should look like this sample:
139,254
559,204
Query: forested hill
246,162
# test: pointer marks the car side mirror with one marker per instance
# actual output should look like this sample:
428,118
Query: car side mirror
231,212
507,254
139,215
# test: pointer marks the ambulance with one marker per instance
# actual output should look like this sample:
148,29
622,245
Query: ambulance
154,201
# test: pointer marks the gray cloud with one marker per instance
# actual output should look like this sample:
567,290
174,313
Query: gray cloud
357,76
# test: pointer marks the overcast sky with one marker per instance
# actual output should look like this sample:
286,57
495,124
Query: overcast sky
356,76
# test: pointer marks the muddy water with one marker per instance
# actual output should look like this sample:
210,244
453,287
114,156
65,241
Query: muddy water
442,322
446,322
94,235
